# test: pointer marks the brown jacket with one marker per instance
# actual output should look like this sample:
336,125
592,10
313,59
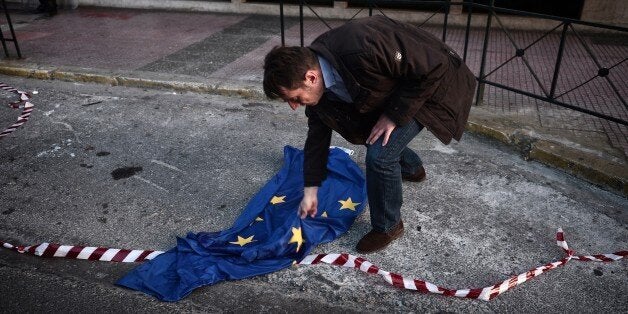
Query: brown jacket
392,68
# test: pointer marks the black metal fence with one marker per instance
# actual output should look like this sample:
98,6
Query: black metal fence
12,38
559,66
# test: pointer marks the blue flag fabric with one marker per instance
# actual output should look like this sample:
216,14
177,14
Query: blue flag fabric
268,236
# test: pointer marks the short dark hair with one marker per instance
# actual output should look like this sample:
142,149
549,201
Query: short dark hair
285,67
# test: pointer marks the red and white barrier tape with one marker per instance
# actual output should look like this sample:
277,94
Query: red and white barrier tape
344,260
91,253
26,112
486,293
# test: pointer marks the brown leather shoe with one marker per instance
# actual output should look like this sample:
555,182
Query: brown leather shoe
375,241
417,176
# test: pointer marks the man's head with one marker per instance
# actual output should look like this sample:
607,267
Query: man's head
294,75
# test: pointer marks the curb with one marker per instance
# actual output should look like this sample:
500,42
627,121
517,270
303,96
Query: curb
604,173
607,174
182,83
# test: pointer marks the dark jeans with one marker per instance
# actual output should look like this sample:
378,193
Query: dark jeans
384,165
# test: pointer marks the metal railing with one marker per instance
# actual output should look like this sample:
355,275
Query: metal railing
371,5
549,91
550,96
13,39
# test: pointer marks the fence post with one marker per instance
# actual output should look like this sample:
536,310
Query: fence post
301,20
466,34
447,9
479,96
283,33
559,59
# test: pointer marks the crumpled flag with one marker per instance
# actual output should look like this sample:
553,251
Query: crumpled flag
268,236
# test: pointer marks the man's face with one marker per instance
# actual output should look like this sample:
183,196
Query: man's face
308,94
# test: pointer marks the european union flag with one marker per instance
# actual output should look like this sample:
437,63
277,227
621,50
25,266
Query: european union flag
268,235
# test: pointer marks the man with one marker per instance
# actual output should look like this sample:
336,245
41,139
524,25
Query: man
376,82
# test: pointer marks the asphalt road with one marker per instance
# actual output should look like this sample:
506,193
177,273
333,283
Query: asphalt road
72,175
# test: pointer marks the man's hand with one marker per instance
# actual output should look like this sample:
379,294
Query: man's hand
309,202
384,126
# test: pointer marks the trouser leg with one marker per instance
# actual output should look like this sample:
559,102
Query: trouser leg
409,161
383,175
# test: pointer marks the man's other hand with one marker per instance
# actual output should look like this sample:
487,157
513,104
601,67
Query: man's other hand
384,126
309,202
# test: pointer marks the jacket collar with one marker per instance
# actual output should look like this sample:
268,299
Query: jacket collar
357,92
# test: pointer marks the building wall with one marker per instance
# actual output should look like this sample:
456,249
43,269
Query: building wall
613,12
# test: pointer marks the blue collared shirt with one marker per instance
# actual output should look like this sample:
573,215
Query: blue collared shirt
333,81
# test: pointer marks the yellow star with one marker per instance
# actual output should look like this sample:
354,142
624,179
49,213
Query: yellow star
297,238
277,200
324,214
348,204
243,241
258,219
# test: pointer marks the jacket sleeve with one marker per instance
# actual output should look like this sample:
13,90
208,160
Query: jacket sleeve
316,150
416,72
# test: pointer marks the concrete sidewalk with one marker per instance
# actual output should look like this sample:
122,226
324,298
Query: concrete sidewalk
222,53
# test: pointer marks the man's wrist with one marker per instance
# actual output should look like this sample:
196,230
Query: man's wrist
310,190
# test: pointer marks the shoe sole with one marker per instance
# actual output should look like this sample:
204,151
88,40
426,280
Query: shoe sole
412,180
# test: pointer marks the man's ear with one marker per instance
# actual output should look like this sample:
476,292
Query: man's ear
311,77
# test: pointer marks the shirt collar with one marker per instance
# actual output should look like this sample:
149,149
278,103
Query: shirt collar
328,76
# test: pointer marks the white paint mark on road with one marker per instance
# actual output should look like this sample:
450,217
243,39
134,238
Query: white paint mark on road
149,182
55,148
151,215
161,163
67,126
